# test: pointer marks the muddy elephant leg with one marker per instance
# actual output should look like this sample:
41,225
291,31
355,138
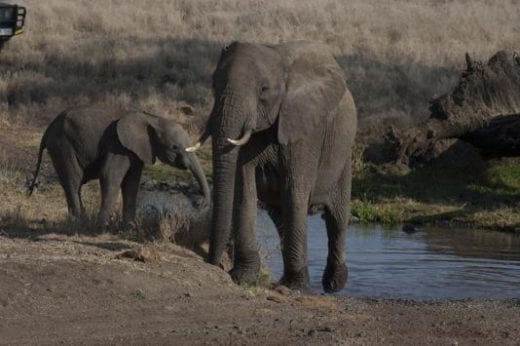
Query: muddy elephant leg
113,172
294,244
130,187
246,259
336,219
70,175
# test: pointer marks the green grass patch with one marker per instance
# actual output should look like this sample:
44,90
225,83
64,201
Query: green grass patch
486,196
504,175
367,211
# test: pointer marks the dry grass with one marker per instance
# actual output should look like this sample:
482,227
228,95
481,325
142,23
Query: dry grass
397,54
46,212
160,54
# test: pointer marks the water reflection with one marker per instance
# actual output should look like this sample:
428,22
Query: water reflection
432,264
473,243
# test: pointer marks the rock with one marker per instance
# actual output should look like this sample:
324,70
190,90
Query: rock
148,184
283,290
409,228
142,254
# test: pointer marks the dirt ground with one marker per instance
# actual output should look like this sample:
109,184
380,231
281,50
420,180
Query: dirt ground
81,290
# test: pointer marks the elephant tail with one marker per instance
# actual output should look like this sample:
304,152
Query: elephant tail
34,183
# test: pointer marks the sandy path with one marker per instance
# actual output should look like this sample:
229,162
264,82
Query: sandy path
73,290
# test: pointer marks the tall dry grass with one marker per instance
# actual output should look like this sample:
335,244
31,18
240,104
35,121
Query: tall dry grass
396,54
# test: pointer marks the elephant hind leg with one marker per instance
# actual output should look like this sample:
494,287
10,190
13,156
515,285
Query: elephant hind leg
70,175
277,219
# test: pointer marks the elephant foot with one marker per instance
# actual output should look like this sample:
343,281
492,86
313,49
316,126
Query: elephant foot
246,268
298,282
244,276
334,277
104,225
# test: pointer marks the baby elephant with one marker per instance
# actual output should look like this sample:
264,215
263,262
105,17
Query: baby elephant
112,145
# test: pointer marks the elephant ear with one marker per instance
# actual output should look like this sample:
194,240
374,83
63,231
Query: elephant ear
315,86
135,133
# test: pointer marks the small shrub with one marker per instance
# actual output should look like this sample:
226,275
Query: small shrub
369,212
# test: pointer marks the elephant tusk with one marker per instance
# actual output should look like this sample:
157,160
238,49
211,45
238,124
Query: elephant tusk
201,141
241,141
193,148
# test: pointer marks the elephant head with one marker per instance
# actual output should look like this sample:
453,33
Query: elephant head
150,137
260,88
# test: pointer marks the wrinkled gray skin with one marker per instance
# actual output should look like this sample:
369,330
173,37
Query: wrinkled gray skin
112,145
294,100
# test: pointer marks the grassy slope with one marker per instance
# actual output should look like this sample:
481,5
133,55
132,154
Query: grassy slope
160,55
396,53
485,197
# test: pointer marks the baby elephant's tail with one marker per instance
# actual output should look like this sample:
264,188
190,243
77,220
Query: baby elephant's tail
40,154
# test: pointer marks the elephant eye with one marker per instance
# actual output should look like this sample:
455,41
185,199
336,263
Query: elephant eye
264,91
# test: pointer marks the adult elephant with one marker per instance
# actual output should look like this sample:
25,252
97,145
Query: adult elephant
283,126
112,145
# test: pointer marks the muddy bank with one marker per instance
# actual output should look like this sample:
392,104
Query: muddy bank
77,290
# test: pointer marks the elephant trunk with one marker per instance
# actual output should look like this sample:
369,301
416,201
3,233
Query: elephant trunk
232,118
199,175
224,170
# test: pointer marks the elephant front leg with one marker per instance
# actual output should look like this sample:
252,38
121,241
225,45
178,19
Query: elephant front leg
294,244
109,191
335,274
112,175
130,188
336,217
246,259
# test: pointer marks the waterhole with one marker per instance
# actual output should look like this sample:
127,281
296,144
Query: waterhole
431,264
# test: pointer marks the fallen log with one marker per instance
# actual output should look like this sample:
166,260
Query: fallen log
500,137
483,109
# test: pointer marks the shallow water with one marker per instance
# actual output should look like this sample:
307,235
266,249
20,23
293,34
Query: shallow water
387,263
428,265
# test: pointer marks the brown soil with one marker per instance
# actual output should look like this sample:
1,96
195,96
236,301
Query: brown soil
105,290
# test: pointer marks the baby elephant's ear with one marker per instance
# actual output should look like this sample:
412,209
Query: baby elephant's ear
315,86
135,133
